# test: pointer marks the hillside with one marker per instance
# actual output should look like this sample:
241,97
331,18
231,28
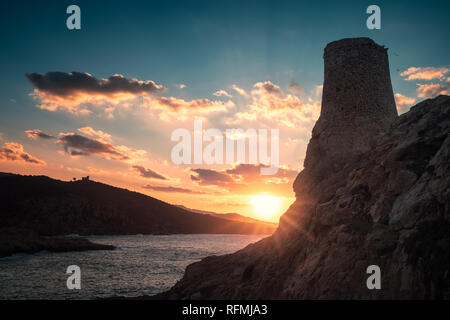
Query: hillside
231,216
54,207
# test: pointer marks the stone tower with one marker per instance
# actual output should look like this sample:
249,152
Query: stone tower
357,104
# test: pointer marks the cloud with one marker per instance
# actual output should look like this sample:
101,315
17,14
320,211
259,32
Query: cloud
148,173
103,136
219,93
242,175
173,109
426,73
12,151
268,101
295,88
80,92
403,103
69,84
431,90
251,172
319,90
239,90
171,189
210,177
177,104
38,134
270,96
268,88
78,145
181,86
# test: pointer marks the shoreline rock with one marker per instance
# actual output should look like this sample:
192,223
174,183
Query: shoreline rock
13,241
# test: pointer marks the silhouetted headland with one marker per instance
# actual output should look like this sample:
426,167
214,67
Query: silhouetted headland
37,206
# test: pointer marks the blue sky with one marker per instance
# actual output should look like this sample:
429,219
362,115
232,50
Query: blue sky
206,45
209,44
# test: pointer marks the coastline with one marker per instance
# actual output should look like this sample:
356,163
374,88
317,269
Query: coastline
14,241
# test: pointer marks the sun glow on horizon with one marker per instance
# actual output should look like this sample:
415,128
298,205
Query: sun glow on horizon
265,205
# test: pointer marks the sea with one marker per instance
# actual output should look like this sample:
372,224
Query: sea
141,265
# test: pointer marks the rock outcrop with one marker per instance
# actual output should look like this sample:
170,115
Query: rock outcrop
26,241
378,197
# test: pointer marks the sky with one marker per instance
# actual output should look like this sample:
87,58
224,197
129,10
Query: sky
104,100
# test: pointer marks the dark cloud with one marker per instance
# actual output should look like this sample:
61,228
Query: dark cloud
38,134
270,88
148,173
296,88
12,151
66,84
244,177
253,171
171,189
78,145
78,153
210,177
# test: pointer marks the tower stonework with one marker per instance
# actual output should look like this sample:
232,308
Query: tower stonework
357,103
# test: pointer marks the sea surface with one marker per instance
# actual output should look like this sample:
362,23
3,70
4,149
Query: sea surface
141,265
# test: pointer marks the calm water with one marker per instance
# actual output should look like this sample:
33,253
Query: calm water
142,265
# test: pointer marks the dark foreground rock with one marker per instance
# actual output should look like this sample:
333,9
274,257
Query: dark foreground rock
26,241
387,206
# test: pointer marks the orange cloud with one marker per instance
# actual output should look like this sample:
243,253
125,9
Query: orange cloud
38,134
13,151
427,73
171,189
403,103
269,101
244,177
171,108
81,93
239,90
96,133
431,90
219,93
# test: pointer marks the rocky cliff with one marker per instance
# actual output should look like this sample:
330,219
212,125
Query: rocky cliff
387,205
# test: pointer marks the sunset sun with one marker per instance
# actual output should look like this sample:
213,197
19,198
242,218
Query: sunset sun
265,206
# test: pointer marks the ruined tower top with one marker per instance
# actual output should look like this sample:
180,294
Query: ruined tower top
357,84
357,102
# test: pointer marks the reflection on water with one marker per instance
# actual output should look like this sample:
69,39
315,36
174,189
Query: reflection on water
142,265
